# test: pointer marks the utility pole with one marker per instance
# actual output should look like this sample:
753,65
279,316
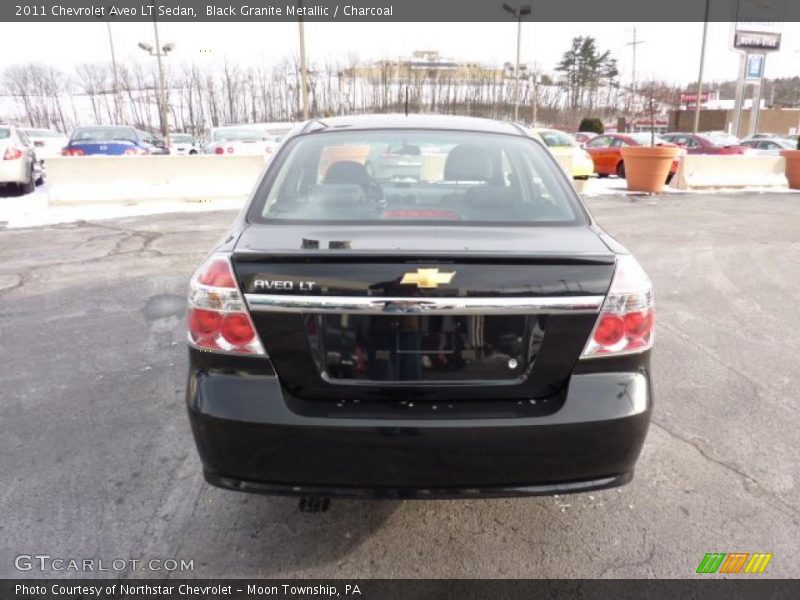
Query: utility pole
535,109
700,74
636,41
303,69
117,100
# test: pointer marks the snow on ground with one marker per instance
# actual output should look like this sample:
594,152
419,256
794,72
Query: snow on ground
32,210
616,186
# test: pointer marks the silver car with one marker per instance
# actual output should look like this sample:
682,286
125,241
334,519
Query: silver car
46,143
769,146
251,139
18,163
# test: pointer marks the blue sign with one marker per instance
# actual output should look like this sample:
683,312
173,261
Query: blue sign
755,66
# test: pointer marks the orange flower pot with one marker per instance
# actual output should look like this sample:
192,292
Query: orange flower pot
792,170
647,167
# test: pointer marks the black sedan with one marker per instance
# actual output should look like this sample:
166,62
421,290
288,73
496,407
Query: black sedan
467,332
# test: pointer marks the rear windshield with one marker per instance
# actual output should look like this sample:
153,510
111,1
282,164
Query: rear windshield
645,138
392,176
181,139
5,133
238,135
104,134
42,133
721,139
555,139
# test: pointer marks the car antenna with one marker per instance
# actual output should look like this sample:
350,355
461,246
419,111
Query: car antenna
406,105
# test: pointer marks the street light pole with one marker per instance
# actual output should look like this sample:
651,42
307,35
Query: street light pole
303,69
519,13
163,95
700,74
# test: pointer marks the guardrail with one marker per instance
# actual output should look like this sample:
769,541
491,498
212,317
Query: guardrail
126,179
700,171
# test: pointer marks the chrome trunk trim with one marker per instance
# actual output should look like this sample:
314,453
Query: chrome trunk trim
284,303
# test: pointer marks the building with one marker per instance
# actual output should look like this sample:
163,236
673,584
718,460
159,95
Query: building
425,64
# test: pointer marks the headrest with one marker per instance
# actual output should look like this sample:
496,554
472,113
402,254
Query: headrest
467,162
347,171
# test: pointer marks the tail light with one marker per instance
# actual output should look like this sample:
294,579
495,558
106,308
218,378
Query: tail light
218,319
12,154
627,320
72,152
135,152
219,150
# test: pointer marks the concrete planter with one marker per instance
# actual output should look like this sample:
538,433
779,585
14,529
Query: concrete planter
647,167
792,158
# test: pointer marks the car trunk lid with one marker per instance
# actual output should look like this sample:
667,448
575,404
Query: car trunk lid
449,313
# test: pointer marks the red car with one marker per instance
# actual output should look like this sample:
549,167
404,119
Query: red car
706,143
605,151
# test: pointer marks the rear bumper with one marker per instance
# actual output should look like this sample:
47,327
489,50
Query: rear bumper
250,440
14,171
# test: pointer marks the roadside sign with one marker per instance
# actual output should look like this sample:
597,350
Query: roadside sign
758,25
755,67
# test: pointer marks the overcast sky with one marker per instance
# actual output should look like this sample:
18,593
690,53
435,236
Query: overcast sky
670,50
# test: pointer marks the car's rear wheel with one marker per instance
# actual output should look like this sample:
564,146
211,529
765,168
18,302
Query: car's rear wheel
602,175
621,170
30,185
669,177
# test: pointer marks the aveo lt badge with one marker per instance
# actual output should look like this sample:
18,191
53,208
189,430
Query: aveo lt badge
427,278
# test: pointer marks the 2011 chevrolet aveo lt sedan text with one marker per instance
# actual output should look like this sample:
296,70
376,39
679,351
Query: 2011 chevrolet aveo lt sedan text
418,307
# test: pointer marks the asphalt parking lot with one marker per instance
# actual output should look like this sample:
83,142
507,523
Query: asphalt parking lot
98,460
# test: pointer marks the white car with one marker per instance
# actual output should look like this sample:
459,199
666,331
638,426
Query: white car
182,144
252,139
18,163
46,142
768,146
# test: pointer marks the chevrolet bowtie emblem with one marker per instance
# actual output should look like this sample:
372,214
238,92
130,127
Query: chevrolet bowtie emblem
427,278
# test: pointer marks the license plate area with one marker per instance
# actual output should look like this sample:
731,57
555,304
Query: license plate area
367,349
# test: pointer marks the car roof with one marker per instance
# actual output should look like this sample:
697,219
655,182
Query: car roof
106,126
413,121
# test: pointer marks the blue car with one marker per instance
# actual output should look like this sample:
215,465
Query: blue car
108,140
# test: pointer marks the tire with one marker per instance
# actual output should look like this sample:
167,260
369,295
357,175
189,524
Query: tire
669,177
192,152
29,186
602,175
621,170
